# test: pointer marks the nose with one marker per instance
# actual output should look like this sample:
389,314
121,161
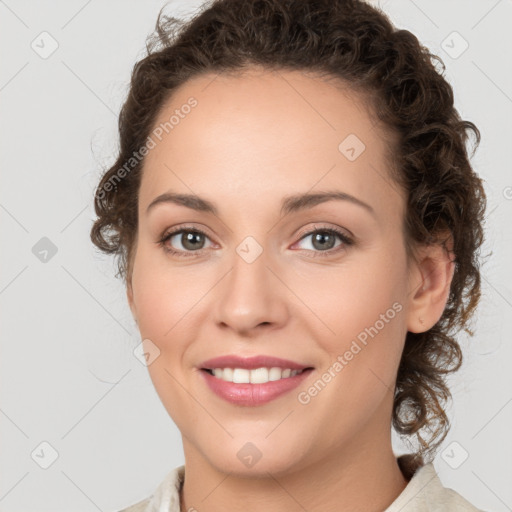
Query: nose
252,297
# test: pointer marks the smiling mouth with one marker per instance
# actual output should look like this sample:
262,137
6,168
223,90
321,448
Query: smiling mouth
254,376
253,387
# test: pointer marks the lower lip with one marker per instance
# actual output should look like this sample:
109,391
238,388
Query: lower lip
253,394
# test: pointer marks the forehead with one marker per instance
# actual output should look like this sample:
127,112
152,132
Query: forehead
266,132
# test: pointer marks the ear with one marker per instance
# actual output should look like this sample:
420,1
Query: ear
429,285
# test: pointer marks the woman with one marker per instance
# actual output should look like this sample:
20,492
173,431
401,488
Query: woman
297,224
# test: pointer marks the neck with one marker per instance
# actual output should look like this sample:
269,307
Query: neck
363,477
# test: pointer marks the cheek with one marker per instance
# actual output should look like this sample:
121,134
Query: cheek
364,354
353,296
165,315
374,333
172,304
361,308
163,295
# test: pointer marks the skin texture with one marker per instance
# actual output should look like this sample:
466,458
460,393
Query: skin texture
251,141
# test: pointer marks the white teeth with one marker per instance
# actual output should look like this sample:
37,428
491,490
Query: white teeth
217,372
260,375
241,376
275,374
256,376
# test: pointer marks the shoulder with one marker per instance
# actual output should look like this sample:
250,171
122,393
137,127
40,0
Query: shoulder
166,495
426,493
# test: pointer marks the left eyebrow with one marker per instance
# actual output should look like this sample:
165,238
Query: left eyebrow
304,201
289,204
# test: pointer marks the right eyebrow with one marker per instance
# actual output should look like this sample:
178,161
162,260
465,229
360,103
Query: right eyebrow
190,201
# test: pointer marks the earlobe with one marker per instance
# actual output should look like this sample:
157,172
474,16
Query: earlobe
431,288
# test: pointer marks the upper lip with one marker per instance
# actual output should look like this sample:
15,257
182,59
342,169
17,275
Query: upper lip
250,363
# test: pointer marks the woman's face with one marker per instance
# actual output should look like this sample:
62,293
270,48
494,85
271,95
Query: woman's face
257,283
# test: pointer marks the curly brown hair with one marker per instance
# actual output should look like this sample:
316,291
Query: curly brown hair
355,43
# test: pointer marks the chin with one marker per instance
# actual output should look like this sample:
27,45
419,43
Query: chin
245,458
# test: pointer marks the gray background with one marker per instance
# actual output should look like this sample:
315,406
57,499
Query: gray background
68,374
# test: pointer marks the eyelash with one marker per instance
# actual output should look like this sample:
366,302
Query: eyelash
347,242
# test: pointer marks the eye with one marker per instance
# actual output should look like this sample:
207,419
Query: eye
323,241
191,240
